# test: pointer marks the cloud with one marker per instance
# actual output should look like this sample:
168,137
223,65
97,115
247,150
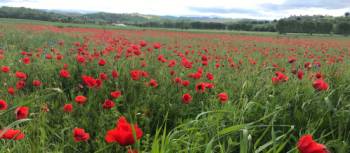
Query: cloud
304,4
218,10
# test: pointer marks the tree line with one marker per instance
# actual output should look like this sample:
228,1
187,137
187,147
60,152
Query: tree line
315,24
239,25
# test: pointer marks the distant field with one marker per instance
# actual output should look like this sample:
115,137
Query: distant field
292,35
90,88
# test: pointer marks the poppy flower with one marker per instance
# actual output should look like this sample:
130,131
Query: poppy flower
59,57
36,83
108,104
300,74
280,77
200,87
103,76
320,85
5,69
80,99
26,60
22,112
153,83
291,59
135,74
185,83
143,43
3,105
80,59
89,81
223,97
11,134
318,75
102,62
11,90
124,133
80,135
115,74
21,75
186,98
116,94
156,45
178,80
20,84
48,56
210,76
307,145
64,73
68,108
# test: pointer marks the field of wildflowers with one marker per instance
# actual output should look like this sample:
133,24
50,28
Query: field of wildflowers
75,89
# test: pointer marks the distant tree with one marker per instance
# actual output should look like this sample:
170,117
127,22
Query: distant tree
343,28
324,27
282,26
309,27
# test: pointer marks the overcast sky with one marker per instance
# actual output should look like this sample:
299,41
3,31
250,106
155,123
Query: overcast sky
257,9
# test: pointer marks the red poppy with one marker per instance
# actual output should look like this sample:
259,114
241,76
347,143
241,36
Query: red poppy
36,83
59,57
200,87
108,104
5,69
291,59
123,133
11,90
156,45
115,74
21,75
12,134
80,135
320,85
135,74
64,73
68,108
318,75
116,94
89,81
80,99
80,59
22,112
102,62
210,76
223,97
20,84
3,105
48,56
143,43
307,145
185,83
103,76
26,60
280,77
153,83
186,98
300,74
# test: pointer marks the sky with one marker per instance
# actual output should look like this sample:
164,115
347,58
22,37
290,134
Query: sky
255,9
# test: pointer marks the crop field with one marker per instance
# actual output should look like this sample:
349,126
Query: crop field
66,88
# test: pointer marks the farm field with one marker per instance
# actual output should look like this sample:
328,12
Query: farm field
72,88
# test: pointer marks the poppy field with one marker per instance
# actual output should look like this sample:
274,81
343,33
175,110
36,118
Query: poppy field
78,89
